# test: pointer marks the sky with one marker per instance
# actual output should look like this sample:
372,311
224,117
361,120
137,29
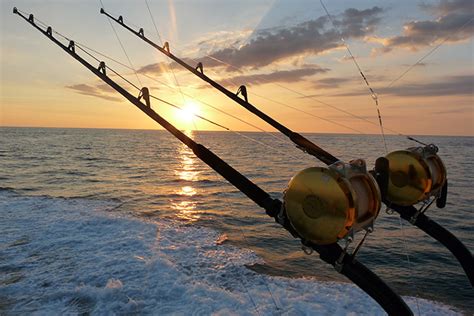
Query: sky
292,57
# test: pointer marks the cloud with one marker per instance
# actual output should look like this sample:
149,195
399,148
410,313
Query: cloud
310,37
164,67
454,23
467,110
454,85
329,83
95,91
276,44
422,64
286,76
447,6
160,68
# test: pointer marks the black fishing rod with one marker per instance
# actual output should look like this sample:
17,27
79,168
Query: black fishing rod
332,253
454,245
300,141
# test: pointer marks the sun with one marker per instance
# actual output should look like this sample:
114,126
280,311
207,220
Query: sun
189,111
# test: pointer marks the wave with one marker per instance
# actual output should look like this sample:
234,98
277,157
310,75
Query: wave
81,258
9,189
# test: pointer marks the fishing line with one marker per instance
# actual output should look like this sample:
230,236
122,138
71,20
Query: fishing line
410,265
372,92
121,45
128,81
275,101
199,116
308,113
431,51
241,278
84,48
311,97
227,203
205,103
211,106
174,87
317,100
174,75
263,276
314,98
375,98
300,94
161,43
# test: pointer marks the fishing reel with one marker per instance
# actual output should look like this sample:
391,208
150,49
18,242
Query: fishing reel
415,175
325,205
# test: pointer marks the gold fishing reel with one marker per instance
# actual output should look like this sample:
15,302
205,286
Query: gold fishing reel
415,175
327,204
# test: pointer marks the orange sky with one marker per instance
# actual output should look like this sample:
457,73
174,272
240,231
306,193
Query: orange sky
289,56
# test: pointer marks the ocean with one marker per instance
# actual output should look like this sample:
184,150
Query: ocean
129,221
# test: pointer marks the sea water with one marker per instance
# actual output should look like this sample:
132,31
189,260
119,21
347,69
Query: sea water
125,221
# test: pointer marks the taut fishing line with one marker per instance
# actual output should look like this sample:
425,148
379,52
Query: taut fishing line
123,48
372,92
161,42
289,212
375,98
86,50
431,51
273,100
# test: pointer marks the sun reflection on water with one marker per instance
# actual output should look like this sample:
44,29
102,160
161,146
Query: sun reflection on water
185,204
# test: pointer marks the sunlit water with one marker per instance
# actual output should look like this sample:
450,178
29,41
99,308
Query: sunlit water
150,177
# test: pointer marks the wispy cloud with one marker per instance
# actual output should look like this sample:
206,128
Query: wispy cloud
269,46
331,83
456,111
286,76
310,37
447,6
453,23
454,85
99,91
160,68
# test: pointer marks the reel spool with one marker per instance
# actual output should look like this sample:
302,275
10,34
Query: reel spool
415,175
327,204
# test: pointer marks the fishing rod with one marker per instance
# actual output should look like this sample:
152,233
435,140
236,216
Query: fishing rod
300,141
330,252
405,185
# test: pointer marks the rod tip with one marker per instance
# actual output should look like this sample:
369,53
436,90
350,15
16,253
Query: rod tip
102,10
15,10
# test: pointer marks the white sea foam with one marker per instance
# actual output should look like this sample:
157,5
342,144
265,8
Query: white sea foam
69,256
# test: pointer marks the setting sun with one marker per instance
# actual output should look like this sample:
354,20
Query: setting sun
188,112
217,144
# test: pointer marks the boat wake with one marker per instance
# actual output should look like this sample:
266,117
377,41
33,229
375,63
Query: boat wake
68,256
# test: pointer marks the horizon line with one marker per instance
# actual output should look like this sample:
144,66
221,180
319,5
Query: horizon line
240,131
